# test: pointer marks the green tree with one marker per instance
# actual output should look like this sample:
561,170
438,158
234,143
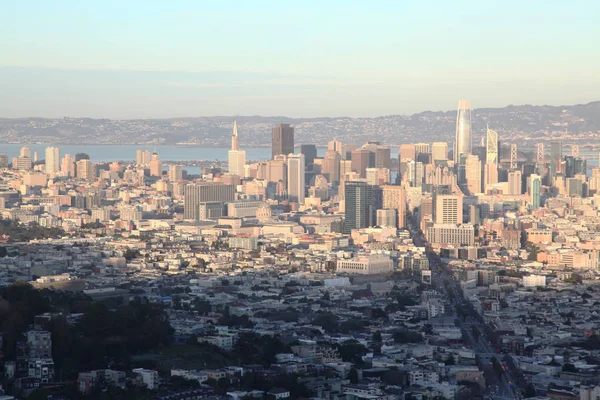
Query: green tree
532,251
327,321
378,313
377,337
202,306
176,300
130,254
497,367
222,385
252,348
353,325
592,343
19,304
568,367
475,332
427,329
404,301
39,394
180,383
407,336
353,375
529,391
352,351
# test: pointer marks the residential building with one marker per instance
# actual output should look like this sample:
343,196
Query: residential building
85,170
52,160
155,165
148,377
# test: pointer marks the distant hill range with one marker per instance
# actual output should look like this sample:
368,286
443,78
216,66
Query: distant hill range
523,124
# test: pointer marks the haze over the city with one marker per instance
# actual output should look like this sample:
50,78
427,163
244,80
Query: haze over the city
298,59
285,200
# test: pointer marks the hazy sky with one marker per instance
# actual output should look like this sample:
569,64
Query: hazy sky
134,59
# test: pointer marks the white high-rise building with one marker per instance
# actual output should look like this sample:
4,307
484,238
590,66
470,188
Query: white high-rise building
490,175
295,181
378,176
155,165
413,173
534,280
490,169
67,166
473,174
175,172
514,182
439,151
335,145
52,160
491,147
422,148
143,157
85,170
462,144
365,265
387,218
25,152
460,235
236,157
394,197
449,209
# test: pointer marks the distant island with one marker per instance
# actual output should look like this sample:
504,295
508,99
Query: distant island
524,124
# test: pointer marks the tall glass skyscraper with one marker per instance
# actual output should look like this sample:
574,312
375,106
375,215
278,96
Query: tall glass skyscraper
310,153
360,205
490,170
491,147
282,140
555,160
535,186
462,144
295,178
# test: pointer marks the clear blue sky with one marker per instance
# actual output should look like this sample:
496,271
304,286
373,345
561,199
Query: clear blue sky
132,59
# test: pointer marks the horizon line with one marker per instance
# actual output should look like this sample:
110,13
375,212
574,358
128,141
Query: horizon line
301,118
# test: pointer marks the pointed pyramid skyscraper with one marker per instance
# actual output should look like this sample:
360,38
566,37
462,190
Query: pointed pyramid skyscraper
234,138
237,157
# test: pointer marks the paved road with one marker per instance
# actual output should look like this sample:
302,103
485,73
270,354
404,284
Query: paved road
502,388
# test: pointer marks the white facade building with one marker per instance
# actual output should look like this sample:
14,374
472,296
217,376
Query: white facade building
296,179
534,280
365,265
52,160
461,235
149,377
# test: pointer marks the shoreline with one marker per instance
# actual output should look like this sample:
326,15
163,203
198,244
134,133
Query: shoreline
147,145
